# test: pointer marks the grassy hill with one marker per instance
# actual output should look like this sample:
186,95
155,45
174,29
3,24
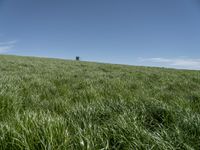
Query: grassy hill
61,104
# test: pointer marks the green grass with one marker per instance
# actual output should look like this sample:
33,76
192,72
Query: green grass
60,104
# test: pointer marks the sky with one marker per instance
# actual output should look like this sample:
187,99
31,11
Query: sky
163,33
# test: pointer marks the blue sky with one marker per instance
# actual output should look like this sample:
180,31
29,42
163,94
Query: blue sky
136,32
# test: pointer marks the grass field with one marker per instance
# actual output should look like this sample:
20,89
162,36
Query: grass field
62,104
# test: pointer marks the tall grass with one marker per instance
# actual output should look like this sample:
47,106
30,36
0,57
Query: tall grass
59,104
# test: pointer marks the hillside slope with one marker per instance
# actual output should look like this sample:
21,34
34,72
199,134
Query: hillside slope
60,104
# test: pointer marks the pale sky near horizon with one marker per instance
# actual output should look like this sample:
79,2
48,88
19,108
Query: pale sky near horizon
162,33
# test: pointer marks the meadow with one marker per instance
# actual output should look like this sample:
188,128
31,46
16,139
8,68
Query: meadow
59,104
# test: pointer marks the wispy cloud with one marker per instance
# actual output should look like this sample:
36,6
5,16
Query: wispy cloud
4,49
185,63
6,46
8,42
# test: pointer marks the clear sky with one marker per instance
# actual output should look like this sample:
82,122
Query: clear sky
136,32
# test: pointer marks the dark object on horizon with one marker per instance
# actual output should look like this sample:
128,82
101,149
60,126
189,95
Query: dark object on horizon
77,58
